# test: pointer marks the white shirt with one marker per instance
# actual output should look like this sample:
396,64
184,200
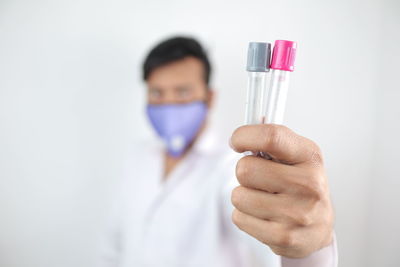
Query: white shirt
184,220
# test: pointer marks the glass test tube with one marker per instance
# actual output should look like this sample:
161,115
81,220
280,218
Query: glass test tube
267,104
282,64
258,57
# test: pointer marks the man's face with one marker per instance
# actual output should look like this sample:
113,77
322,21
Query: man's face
178,83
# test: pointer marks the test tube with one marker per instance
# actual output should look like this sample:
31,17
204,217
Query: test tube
267,104
282,64
258,58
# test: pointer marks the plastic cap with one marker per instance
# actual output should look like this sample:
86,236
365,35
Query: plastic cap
284,55
258,57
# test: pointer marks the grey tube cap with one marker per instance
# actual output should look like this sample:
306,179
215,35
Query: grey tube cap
258,57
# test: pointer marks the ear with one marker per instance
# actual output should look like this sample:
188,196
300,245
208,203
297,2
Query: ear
210,98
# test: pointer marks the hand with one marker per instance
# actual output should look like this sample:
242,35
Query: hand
283,202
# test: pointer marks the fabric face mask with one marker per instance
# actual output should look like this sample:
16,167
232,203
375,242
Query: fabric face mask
177,124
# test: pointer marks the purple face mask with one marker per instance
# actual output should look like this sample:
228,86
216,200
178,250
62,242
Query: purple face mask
177,124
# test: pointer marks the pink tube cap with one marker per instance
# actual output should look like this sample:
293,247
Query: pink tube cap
283,55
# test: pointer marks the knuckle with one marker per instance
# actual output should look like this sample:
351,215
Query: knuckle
304,219
311,187
315,187
279,251
286,239
316,156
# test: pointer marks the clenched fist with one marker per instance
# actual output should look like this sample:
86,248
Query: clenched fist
283,202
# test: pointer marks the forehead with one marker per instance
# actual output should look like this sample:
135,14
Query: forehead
189,69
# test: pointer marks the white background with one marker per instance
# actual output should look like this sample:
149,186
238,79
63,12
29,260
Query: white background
71,99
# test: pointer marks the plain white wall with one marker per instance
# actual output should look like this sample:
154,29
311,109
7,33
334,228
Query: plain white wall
384,220
71,100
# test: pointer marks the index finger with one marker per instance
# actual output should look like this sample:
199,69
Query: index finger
276,140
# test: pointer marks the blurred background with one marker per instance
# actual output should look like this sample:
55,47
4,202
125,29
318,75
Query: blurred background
72,98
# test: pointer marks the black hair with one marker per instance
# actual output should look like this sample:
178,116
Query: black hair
175,49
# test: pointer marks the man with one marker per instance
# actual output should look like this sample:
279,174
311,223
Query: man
174,207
